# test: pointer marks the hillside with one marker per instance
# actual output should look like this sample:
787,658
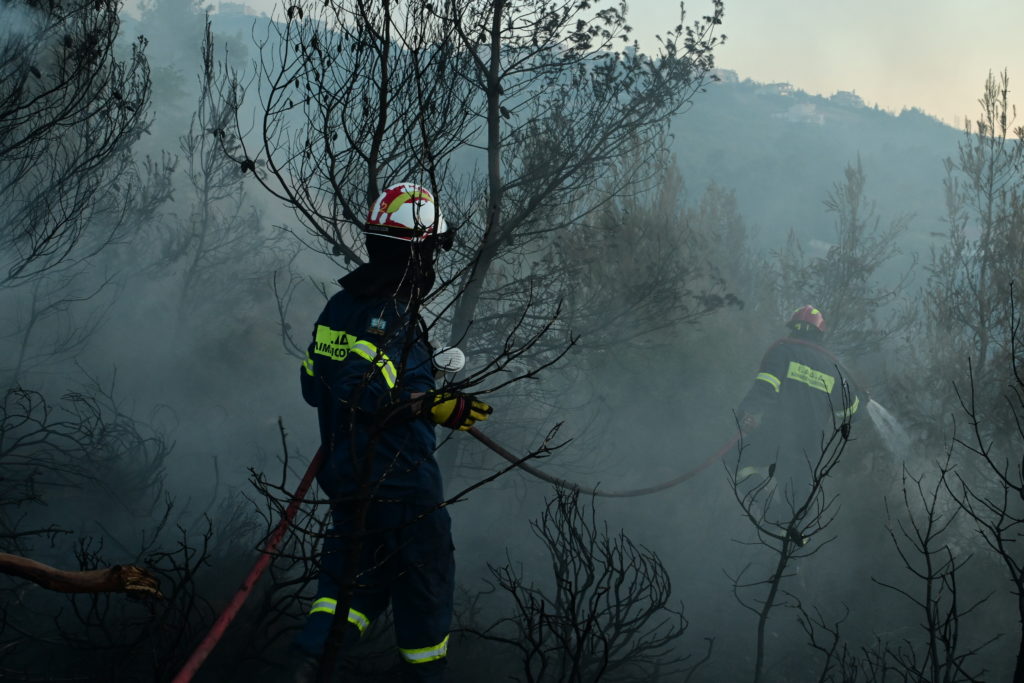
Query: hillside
782,149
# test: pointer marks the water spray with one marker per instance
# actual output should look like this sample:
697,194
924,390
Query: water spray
895,438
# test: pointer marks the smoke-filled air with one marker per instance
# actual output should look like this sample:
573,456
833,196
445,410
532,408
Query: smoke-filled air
477,340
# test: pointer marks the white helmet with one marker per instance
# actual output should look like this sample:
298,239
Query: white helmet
407,211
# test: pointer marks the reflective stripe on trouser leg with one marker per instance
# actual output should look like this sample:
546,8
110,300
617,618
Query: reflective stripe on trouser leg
422,655
330,606
327,605
358,619
423,593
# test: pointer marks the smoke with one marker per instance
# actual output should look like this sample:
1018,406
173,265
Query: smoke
18,21
205,374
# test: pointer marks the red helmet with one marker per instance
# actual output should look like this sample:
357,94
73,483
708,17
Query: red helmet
806,317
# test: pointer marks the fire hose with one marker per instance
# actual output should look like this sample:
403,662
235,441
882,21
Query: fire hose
518,462
216,632
199,655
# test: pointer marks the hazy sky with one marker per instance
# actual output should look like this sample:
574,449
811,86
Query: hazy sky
931,54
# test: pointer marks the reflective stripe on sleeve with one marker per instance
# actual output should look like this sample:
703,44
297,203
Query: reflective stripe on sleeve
337,344
771,379
847,413
422,655
307,365
370,352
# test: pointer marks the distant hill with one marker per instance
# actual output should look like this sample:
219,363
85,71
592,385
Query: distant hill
781,150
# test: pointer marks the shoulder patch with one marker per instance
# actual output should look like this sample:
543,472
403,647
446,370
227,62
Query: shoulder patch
377,326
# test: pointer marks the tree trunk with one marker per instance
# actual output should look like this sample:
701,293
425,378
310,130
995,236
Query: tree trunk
472,284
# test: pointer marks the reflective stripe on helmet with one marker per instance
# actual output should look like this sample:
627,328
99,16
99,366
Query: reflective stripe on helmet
412,193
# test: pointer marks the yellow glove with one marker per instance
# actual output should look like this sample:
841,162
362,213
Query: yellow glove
456,410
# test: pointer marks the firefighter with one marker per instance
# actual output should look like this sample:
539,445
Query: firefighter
800,395
368,372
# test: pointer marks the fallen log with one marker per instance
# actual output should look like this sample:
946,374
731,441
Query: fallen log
126,578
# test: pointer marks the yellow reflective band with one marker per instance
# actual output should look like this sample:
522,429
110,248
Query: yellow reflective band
358,619
404,197
810,377
337,344
771,379
848,412
307,365
365,349
330,606
425,654
326,605
749,471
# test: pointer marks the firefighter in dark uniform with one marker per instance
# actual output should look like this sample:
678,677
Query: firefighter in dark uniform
368,372
800,396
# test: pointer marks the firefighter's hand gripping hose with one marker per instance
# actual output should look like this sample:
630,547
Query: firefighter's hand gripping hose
456,410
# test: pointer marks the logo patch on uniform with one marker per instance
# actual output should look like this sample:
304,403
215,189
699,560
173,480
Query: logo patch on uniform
334,344
378,326
810,377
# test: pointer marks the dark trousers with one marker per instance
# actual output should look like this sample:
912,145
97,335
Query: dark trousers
403,556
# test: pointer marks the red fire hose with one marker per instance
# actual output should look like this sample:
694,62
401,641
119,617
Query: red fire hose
231,611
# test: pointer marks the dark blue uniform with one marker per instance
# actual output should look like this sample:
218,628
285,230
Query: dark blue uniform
802,394
368,356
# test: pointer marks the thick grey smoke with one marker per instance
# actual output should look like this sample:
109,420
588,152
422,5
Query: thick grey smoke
17,21
192,360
